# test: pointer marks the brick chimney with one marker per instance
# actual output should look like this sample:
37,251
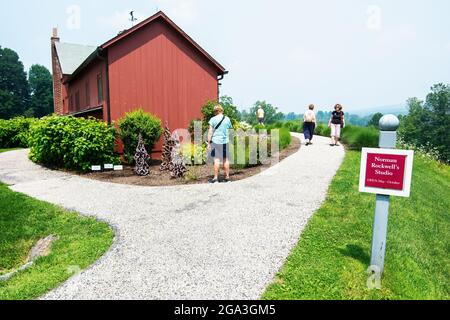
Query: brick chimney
57,75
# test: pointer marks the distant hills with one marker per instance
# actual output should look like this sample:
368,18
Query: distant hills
397,109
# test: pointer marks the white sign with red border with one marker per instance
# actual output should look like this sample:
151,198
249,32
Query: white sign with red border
386,172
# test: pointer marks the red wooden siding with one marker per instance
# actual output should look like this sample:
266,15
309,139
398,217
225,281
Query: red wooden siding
155,69
85,85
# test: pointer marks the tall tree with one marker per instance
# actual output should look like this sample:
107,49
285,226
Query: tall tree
428,123
14,92
375,121
438,103
230,109
41,90
292,116
272,114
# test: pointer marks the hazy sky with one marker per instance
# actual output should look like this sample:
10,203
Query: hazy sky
289,52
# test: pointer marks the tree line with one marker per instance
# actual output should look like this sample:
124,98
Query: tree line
22,94
427,126
273,115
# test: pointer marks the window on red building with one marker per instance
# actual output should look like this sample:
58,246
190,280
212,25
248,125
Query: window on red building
100,88
77,100
71,104
88,94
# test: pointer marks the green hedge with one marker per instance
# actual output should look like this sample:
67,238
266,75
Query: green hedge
135,123
285,140
356,138
72,143
245,153
192,153
15,133
294,126
208,112
322,130
291,126
284,133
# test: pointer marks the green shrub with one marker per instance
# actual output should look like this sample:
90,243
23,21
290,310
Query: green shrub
323,130
244,126
228,109
245,153
191,129
260,127
284,140
356,138
278,124
194,154
208,112
135,123
292,126
72,143
15,133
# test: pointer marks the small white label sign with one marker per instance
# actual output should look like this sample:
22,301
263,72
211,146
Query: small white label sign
118,168
108,166
96,168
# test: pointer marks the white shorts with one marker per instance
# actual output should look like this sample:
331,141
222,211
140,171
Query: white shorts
336,130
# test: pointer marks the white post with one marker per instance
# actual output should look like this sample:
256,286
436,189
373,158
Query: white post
388,140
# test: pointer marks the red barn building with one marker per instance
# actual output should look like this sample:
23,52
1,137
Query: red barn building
155,66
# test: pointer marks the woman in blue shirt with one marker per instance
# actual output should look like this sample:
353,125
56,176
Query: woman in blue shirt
218,142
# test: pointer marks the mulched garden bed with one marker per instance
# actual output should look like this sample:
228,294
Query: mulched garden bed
195,175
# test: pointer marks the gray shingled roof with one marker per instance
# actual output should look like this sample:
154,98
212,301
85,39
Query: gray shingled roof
71,56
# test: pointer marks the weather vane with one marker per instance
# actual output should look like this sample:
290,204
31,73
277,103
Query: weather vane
132,18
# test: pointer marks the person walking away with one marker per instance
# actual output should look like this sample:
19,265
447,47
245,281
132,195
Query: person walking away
218,142
309,124
337,122
261,115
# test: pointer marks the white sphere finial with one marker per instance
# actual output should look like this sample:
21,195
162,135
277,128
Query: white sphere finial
389,123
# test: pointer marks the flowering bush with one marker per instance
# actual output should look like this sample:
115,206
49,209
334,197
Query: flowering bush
243,126
194,154
427,152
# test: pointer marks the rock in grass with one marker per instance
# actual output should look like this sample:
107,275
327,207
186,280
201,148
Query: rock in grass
41,249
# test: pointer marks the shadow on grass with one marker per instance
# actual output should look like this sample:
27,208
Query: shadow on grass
356,252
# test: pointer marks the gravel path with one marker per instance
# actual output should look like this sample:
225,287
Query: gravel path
223,241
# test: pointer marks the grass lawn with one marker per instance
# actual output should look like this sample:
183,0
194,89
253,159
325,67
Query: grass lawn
23,221
5,150
333,254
